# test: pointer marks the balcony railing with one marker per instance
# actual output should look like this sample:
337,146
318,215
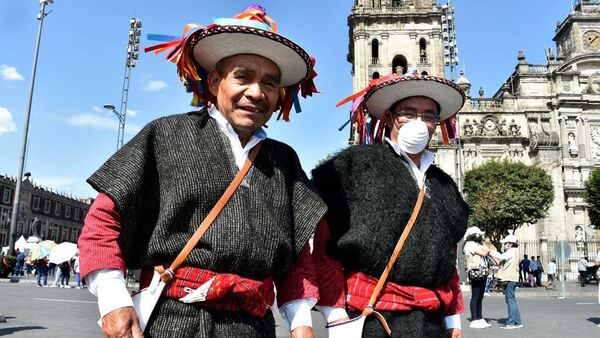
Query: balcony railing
374,61
486,103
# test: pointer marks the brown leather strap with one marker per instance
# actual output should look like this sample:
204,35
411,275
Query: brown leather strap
369,310
167,274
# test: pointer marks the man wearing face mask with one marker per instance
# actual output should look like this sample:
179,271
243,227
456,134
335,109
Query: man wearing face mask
371,191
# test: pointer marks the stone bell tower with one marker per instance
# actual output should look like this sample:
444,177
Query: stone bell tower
395,36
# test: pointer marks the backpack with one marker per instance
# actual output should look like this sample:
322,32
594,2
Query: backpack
21,258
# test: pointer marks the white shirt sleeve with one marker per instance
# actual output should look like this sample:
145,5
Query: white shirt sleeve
331,313
506,256
110,287
297,312
453,322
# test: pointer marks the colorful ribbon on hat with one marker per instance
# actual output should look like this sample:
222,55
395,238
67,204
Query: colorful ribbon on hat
191,74
371,129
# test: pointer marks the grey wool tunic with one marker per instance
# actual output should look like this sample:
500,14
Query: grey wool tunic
166,180
371,193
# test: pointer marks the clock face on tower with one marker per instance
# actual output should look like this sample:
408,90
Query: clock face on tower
591,39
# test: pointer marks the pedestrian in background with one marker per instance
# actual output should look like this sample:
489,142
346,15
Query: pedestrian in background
532,273
582,266
540,271
42,272
57,275
28,265
65,274
523,269
476,264
509,273
76,270
551,275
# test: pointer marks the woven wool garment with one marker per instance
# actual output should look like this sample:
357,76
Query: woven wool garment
169,176
370,194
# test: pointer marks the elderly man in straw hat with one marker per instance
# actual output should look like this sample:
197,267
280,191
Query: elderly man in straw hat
372,191
157,189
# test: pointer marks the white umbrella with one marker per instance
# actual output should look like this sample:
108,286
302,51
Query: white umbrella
63,252
21,243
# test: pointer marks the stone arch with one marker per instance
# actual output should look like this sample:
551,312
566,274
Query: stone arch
375,75
399,61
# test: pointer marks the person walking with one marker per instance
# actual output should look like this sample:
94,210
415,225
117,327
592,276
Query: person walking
582,267
477,268
551,275
509,274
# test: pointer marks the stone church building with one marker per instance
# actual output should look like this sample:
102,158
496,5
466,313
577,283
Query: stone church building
543,114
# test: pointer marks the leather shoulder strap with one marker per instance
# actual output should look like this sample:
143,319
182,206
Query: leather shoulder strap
168,274
369,310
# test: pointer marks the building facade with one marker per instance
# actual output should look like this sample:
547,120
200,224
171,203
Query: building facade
56,216
543,114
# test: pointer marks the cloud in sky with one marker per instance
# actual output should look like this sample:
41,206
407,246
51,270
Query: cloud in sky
9,73
154,86
132,113
94,120
103,119
7,124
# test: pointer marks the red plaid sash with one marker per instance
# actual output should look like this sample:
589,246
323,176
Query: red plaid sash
393,297
228,292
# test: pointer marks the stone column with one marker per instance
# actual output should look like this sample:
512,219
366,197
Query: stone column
564,139
413,52
367,57
581,137
544,251
358,62
384,58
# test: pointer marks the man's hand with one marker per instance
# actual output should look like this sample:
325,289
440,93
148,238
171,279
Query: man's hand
123,322
454,333
303,332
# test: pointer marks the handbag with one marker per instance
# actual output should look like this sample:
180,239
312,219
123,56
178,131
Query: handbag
145,300
353,328
479,273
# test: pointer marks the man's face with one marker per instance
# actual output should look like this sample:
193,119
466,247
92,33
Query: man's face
247,91
419,106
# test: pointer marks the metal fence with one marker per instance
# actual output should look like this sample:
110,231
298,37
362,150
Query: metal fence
545,249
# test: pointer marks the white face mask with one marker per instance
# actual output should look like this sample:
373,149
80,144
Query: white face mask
413,137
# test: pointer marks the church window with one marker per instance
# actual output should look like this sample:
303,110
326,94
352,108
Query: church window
422,51
375,51
396,3
375,75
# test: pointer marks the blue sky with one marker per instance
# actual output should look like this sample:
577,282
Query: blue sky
81,67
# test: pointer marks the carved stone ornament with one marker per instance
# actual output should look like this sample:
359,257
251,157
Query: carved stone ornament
490,125
514,129
593,85
595,144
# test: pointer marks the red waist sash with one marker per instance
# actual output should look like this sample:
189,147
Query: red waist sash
227,292
393,297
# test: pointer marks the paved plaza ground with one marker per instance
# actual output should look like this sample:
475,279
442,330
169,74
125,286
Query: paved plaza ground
54,312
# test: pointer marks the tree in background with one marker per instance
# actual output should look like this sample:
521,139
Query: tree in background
592,198
504,195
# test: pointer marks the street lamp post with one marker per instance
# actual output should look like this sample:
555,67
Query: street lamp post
133,46
14,218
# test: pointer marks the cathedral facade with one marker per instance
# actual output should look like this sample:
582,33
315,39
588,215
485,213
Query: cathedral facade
543,114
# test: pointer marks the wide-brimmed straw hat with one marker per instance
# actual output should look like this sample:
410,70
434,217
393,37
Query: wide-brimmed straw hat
249,32
379,96
448,95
